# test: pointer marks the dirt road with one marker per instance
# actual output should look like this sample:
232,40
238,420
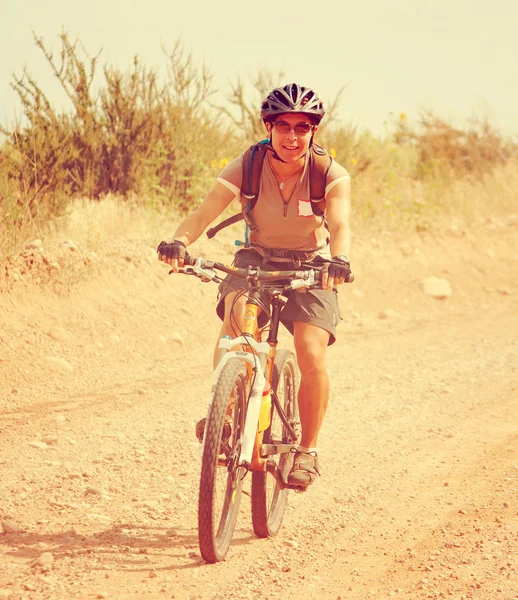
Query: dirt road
104,369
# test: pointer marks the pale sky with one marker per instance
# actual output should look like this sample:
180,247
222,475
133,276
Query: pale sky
457,57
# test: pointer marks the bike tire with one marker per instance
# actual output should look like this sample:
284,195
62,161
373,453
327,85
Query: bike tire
268,499
221,484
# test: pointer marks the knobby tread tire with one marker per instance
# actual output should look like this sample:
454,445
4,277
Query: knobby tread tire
216,524
268,512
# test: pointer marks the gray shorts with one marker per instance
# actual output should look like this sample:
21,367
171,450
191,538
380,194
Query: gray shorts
317,307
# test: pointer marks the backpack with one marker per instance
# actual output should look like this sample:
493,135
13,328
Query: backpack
319,164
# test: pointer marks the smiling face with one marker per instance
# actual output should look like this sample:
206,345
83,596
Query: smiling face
291,145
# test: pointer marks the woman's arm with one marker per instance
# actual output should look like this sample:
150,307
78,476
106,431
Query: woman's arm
194,225
338,211
212,206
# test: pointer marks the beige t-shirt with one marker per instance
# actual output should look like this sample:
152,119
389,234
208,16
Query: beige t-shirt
294,227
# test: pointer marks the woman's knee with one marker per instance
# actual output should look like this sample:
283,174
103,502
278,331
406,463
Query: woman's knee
310,346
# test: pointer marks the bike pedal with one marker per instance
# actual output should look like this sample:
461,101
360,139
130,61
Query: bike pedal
296,488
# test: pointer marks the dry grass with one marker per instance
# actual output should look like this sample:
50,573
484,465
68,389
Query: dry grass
416,205
461,203
98,224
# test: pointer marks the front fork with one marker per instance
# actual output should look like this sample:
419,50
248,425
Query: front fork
257,408
258,361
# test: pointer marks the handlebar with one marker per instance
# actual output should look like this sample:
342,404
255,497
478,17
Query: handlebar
203,264
298,278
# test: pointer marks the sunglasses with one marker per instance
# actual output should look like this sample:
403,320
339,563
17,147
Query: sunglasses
299,128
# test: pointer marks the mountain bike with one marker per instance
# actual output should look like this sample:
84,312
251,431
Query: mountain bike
253,421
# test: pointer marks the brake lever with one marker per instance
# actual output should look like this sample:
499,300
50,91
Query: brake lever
205,275
183,271
298,284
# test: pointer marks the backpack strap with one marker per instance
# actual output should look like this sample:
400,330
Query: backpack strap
251,181
230,221
319,165
253,159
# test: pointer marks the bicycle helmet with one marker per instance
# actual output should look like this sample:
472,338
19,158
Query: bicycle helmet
292,98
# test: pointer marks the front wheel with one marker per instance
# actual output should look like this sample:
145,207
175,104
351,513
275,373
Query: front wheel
221,479
268,499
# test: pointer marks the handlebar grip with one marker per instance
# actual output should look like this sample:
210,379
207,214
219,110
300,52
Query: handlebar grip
189,260
319,273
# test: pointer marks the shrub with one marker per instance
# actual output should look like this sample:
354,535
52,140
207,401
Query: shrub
164,142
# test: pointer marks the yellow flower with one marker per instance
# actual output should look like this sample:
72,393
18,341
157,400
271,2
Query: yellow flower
332,152
223,163
213,163
354,162
402,117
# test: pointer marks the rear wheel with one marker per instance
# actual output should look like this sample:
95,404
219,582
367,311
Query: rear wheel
268,499
221,479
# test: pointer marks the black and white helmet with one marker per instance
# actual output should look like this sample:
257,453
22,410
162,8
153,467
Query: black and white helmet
292,98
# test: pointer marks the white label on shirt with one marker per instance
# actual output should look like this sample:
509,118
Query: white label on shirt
305,209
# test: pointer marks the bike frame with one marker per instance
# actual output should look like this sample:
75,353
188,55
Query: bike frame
259,360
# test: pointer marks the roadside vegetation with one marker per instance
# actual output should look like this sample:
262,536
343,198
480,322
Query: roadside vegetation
157,143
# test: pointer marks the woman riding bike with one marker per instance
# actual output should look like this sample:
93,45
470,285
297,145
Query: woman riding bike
285,230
